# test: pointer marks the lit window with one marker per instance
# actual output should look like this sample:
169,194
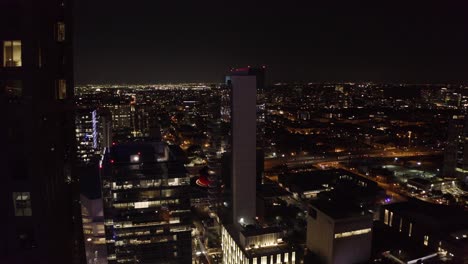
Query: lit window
139,205
353,233
386,217
426,240
60,31
12,53
410,229
61,89
22,203
391,219
401,224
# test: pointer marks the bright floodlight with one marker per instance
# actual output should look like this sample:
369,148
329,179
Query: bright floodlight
134,158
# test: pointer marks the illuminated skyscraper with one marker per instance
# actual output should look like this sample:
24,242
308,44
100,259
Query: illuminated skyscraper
456,150
146,204
93,130
243,129
38,194
243,240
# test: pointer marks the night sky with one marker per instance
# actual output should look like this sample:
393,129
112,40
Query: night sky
140,41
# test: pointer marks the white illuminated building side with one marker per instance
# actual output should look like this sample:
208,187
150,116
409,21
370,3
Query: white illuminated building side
262,249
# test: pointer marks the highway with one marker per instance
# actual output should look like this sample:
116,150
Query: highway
396,193
337,157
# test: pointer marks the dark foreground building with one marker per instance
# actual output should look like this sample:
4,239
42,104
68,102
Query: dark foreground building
38,195
146,204
440,228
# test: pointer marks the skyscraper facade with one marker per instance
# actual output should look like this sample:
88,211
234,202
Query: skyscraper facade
93,130
243,239
456,150
146,204
38,194
243,144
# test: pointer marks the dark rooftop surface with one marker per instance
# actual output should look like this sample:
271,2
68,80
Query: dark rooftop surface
314,180
148,153
271,190
256,231
439,217
339,210
420,181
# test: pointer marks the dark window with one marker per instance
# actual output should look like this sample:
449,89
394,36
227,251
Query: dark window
26,238
18,169
313,213
12,88
61,89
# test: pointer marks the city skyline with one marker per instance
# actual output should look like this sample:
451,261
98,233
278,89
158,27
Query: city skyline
233,132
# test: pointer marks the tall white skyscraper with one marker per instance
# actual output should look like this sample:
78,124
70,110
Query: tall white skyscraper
244,118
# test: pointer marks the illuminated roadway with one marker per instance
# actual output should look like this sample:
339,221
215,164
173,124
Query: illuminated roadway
310,160
396,193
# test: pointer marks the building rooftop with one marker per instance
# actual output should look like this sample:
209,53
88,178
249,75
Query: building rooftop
271,190
257,231
144,158
437,217
261,251
339,210
318,180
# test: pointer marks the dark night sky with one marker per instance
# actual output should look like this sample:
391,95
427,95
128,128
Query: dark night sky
138,41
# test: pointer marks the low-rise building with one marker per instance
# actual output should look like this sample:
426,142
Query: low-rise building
339,233
437,227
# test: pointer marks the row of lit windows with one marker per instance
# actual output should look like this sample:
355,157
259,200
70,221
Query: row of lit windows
119,225
151,194
353,233
151,183
146,204
152,240
388,220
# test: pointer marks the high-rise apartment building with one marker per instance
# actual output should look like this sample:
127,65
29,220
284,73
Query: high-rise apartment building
456,150
93,130
146,204
38,194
